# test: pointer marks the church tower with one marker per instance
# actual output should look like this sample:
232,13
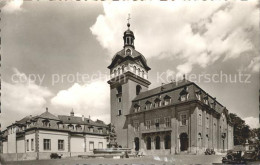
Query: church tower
129,77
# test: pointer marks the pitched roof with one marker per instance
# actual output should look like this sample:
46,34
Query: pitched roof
159,90
48,115
78,120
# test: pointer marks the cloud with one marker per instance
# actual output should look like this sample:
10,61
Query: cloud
89,99
12,6
198,33
21,99
253,122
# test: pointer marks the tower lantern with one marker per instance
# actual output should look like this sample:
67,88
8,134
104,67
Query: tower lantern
129,36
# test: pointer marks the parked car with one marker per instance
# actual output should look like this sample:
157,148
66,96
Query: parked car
233,157
250,155
55,156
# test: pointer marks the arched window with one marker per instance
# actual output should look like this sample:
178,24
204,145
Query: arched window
139,71
119,71
123,69
167,142
138,89
115,72
135,69
157,143
128,52
148,143
142,73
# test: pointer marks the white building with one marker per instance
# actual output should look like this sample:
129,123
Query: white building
36,137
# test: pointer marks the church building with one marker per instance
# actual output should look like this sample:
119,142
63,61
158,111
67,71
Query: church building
179,117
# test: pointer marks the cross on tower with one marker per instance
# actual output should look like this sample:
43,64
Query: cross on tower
128,24
128,18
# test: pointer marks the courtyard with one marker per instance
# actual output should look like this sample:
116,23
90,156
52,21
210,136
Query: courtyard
149,160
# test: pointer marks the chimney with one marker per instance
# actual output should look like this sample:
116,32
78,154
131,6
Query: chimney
82,117
72,113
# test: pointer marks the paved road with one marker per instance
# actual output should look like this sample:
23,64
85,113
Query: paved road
149,160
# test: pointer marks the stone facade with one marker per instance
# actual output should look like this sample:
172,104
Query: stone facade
39,136
179,117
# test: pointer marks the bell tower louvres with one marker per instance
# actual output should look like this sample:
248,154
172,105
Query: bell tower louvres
129,78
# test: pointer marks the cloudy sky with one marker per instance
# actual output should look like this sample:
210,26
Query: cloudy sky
48,40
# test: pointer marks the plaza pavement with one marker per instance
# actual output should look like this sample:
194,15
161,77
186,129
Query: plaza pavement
147,160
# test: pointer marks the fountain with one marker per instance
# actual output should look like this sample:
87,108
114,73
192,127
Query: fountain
113,150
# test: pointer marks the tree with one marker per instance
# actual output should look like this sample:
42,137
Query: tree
242,131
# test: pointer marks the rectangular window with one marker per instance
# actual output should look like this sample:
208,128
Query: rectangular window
32,144
119,112
157,123
200,119
100,130
27,144
167,122
119,99
148,124
60,144
183,120
136,126
207,122
91,146
46,144
100,145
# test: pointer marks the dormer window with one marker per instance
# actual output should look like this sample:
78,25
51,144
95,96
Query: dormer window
128,52
136,108
78,127
46,123
91,129
167,100
157,103
148,105
198,95
100,130
60,125
71,127
206,101
184,94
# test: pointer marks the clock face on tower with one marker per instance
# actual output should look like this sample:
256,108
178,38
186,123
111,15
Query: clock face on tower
128,52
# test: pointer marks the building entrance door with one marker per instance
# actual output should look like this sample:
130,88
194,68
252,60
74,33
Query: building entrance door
137,144
184,142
